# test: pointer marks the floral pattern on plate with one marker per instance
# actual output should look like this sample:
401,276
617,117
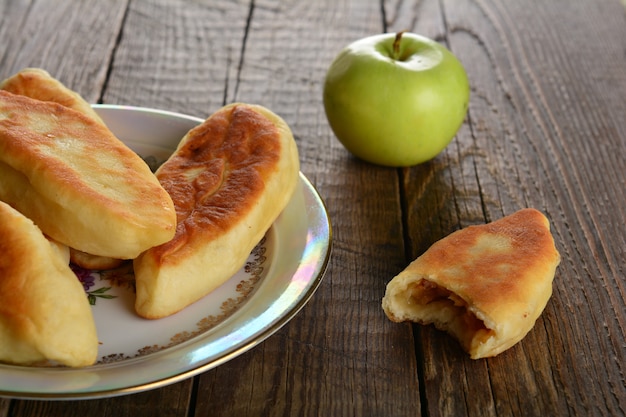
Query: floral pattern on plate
121,282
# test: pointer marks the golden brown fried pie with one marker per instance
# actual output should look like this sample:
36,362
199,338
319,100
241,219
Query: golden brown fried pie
44,313
79,183
230,177
486,285
38,84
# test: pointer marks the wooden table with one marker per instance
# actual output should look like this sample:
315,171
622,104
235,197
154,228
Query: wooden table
545,129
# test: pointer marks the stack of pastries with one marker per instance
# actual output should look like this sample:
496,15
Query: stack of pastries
70,191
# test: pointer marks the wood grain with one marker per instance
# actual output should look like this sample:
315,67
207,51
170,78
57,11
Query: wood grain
78,55
171,401
179,56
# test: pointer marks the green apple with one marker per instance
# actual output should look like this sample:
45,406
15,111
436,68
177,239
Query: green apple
396,99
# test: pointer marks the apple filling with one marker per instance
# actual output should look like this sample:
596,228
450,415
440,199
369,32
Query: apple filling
436,305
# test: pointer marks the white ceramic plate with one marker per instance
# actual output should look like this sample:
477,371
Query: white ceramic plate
135,354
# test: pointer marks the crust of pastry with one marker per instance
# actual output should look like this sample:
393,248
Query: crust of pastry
230,178
486,285
79,183
38,84
45,316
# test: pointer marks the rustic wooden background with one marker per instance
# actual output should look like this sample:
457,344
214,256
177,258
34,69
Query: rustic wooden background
545,129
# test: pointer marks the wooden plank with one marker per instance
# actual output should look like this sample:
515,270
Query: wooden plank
178,56
441,196
5,403
78,55
171,401
528,141
340,355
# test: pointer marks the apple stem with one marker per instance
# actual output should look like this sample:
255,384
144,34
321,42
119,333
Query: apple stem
396,44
